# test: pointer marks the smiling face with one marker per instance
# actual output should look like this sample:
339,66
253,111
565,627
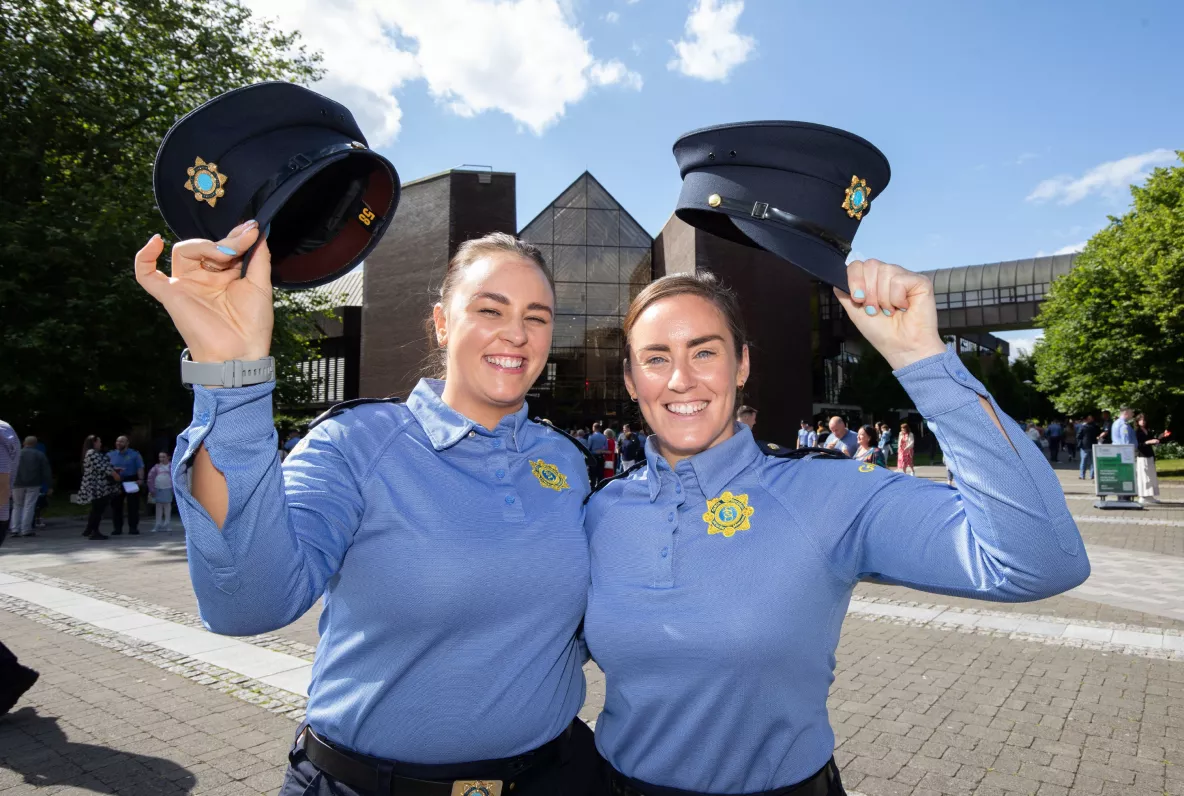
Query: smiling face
497,332
163,458
864,440
683,371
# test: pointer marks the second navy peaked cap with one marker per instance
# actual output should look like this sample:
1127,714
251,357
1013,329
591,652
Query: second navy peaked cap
795,189
286,157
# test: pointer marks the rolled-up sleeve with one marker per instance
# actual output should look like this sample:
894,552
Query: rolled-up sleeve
283,538
1002,532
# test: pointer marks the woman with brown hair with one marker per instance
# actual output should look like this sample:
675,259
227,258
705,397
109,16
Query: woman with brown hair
444,534
1145,476
719,584
905,449
99,483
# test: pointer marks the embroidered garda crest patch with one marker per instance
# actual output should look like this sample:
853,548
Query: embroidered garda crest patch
549,475
727,514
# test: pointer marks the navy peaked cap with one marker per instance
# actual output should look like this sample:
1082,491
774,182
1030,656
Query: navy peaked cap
289,158
795,189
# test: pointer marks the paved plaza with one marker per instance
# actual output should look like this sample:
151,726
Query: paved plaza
1078,694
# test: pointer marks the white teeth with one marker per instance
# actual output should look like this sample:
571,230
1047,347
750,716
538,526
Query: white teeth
687,408
505,362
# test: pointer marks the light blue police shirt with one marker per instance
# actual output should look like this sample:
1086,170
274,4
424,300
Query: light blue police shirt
719,586
803,437
452,559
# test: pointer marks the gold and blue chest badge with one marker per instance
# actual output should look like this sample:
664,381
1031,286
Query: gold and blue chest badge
549,475
727,514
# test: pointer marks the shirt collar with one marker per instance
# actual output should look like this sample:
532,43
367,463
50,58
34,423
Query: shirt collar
445,426
714,468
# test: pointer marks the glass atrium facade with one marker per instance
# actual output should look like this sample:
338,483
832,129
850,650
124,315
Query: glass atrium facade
600,259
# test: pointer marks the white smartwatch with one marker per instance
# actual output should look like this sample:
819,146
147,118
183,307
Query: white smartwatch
231,373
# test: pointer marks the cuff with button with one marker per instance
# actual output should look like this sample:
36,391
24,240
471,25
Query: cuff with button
940,384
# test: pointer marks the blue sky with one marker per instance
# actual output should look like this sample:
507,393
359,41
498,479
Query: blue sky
1012,127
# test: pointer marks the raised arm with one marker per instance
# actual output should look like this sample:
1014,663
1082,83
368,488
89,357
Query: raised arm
1004,532
260,552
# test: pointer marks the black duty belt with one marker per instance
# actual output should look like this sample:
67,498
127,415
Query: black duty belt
825,782
378,777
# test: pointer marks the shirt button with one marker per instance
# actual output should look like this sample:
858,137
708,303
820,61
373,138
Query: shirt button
509,500
497,443
665,552
678,487
962,375
670,517
500,473
472,434
204,417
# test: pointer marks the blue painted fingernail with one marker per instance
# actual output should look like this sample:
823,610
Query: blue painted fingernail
227,250
858,294
870,310
888,312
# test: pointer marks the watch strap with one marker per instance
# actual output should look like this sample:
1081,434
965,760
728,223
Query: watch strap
231,373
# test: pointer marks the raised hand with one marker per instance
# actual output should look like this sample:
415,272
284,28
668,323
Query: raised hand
219,314
893,309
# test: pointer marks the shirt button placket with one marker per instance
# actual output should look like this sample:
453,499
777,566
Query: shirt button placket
511,500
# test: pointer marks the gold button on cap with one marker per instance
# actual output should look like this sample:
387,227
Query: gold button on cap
714,200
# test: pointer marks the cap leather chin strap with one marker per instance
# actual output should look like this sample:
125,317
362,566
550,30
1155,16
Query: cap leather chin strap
761,211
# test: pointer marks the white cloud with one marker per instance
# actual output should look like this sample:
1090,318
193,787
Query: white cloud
1020,342
612,17
1107,179
1072,249
525,58
711,47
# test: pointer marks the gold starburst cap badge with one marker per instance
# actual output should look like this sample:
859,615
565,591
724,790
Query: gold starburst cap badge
727,514
549,475
858,198
206,182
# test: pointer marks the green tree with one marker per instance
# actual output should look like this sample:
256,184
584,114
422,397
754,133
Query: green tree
91,87
1114,325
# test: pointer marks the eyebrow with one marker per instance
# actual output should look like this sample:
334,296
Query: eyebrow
501,299
698,341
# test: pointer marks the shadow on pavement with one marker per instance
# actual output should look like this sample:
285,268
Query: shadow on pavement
45,757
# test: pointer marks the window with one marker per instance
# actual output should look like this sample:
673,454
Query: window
326,379
601,258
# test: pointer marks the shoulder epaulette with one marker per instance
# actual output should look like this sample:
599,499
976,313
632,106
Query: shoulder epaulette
607,481
345,406
781,452
591,459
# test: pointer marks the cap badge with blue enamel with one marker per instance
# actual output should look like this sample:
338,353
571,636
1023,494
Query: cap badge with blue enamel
727,514
206,182
477,788
858,198
549,475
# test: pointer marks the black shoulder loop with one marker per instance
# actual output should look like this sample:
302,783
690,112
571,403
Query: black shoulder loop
345,406
607,481
781,452
592,460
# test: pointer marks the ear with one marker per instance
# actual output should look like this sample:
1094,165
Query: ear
743,371
629,385
441,323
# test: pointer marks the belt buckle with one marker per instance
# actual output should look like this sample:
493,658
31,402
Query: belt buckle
477,787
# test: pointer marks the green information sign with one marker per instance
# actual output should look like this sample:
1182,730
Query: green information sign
1114,469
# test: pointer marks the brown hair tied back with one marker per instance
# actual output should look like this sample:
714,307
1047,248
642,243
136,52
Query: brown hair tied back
703,284
468,253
